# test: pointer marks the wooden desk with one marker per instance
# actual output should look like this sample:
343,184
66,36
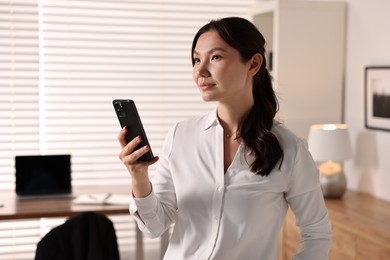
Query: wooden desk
14,208
361,229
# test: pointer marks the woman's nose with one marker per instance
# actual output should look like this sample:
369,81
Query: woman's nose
203,70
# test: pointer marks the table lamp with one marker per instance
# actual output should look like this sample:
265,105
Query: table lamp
330,145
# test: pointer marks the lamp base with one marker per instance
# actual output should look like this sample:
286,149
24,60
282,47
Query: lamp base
333,185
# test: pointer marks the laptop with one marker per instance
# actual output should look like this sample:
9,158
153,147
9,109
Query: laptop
43,176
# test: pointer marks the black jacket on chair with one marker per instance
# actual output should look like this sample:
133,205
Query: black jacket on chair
88,236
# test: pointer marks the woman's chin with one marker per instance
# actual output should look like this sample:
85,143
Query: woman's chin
208,98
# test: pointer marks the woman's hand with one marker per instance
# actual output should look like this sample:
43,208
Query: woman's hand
138,169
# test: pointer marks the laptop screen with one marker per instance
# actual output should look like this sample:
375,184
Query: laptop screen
43,175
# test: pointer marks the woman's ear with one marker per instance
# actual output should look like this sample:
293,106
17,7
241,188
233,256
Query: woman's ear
255,64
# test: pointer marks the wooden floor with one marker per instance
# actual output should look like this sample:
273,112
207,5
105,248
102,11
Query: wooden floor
361,229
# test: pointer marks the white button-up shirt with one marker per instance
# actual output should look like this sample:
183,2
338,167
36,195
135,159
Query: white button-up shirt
232,215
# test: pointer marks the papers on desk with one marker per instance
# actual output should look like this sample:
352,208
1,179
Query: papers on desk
102,198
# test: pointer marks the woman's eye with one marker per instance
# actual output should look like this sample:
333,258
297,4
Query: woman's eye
215,57
196,60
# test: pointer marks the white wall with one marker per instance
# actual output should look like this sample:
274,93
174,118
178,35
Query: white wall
368,43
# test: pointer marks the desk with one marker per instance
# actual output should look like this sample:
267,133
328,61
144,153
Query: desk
14,208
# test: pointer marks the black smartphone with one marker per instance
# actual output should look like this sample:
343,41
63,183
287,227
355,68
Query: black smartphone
127,114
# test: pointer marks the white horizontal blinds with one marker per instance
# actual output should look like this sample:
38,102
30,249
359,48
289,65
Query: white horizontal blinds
95,51
18,239
19,111
126,235
90,53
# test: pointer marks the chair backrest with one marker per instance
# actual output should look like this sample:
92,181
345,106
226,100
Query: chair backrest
88,236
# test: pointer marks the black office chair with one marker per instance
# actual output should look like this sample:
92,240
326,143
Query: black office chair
88,236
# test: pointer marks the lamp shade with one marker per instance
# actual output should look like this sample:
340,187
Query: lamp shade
329,142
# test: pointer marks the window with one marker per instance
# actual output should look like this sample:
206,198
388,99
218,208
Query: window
63,62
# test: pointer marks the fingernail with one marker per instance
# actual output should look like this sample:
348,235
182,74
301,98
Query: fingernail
146,147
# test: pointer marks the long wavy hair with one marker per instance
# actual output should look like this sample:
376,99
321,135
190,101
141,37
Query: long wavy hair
255,130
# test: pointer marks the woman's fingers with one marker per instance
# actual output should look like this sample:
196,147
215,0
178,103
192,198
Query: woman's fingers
133,156
129,147
129,155
122,136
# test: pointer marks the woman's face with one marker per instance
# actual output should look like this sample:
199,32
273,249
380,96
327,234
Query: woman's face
219,71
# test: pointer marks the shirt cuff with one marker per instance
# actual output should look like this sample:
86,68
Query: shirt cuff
143,206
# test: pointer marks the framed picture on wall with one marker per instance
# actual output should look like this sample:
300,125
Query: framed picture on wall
377,98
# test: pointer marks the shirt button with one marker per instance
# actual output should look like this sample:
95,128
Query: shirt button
219,188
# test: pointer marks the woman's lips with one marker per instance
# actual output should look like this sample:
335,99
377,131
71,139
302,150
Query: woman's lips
205,86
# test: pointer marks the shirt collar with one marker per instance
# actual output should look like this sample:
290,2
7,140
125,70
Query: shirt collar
211,119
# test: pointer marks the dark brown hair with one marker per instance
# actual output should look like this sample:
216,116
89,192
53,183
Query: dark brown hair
255,130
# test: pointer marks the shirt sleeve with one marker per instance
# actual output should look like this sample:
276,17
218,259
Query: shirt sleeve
155,213
305,198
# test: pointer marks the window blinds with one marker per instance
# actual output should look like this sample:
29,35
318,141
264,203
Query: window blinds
95,51
85,54
19,75
61,65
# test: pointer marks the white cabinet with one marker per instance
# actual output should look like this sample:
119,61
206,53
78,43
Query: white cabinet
307,40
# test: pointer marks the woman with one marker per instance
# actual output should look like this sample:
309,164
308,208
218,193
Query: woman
227,178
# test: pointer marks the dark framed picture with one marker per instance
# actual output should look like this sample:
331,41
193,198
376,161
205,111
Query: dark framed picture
377,98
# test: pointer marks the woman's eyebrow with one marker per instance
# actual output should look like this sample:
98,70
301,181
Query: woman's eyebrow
212,50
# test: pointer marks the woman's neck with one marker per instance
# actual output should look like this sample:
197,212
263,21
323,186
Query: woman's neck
232,116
